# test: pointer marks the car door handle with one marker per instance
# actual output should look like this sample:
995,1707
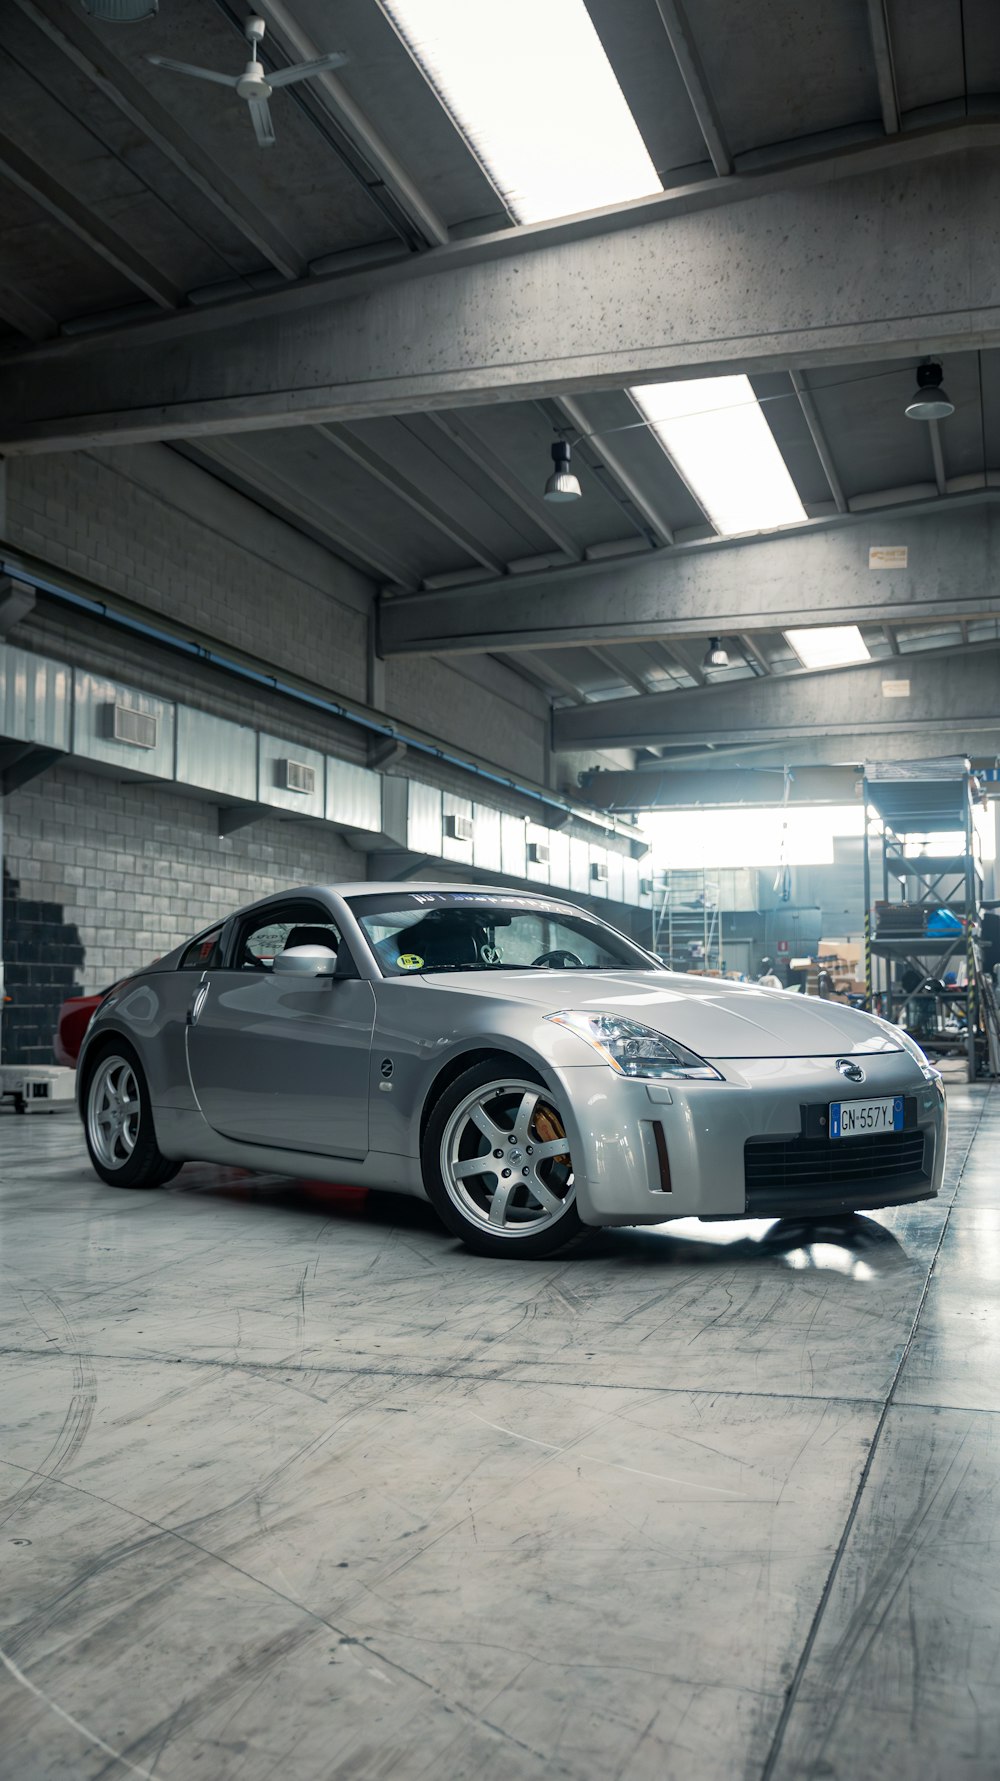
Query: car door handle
197,1005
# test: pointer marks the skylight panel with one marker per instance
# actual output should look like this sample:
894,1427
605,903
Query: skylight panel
529,86
832,646
714,430
531,89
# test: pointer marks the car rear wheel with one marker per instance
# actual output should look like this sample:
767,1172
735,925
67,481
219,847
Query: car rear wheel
497,1165
118,1122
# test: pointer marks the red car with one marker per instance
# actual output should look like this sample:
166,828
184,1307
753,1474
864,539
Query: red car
74,1019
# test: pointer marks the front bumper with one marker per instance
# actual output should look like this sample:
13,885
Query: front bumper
734,1149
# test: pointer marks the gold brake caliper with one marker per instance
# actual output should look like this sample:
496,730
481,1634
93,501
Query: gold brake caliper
548,1126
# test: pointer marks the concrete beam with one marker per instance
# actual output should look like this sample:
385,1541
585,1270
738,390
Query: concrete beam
812,575
944,690
691,788
27,316
878,25
333,97
817,751
646,292
85,224
810,414
492,466
86,50
375,465
682,42
245,473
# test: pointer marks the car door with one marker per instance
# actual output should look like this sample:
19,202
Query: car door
278,1060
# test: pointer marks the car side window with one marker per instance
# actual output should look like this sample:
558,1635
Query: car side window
259,941
202,954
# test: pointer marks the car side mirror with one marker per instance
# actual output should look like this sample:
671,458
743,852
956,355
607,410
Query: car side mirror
305,961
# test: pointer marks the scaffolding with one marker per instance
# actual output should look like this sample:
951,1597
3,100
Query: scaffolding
922,907
687,930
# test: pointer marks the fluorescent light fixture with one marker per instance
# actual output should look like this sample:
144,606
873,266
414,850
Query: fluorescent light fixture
714,430
532,91
831,646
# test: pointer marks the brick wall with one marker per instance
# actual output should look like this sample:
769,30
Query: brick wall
146,524
102,877
42,955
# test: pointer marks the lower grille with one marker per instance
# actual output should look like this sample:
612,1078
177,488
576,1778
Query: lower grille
854,1170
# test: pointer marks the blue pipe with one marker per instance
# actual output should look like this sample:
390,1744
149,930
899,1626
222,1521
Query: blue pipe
226,665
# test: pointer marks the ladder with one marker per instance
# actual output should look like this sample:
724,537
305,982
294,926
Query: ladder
686,925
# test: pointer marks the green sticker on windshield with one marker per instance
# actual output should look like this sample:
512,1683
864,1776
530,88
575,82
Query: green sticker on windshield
410,961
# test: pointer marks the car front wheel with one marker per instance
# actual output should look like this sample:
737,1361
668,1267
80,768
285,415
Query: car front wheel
497,1164
118,1122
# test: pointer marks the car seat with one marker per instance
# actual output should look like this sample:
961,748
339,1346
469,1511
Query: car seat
305,936
443,942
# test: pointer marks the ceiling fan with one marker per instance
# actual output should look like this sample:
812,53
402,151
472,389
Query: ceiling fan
253,84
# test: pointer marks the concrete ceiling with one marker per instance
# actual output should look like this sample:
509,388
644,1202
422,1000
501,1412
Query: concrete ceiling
127,192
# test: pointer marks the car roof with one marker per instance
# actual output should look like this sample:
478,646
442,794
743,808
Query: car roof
380,887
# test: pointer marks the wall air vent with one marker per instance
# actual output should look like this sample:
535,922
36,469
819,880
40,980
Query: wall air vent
459,828
138,728
599,871
539,853
299,777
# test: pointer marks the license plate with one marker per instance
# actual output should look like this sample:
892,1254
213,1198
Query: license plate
859,1119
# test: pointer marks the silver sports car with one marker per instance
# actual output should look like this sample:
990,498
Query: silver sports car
510,1057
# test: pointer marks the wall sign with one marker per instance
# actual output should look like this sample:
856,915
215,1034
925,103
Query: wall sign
888,556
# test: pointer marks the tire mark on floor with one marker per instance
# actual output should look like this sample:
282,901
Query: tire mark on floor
77,1420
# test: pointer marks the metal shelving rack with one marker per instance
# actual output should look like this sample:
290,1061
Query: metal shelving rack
904,800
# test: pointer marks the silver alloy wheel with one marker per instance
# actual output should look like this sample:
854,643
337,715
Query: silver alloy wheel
113,1111
505,1159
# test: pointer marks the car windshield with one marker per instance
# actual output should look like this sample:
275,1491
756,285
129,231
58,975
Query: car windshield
421,931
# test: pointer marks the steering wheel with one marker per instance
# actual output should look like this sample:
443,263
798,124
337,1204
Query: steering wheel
557,959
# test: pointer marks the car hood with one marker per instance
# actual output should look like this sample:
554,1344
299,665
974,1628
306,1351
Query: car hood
713,1016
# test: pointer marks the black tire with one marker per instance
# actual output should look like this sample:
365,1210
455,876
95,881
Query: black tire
124,1152
512,1098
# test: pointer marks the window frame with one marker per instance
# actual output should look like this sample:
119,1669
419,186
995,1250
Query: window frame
213,962
318,916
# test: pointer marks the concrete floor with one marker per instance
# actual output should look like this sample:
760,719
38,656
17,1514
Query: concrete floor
292,1486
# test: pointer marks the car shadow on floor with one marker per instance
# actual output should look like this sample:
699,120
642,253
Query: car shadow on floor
850,1244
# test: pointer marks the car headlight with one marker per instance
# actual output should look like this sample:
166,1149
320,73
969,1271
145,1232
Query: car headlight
926,1067
632,1049
929,1073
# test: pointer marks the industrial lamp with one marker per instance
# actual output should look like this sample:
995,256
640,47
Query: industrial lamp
562,484
715,655
930,401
